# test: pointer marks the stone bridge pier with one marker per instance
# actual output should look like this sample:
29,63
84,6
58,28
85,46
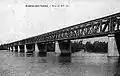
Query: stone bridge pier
63,47
42,47
114,44
7,48
12,48
16,48
30,48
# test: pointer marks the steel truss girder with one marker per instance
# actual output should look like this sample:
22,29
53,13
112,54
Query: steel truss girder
105,25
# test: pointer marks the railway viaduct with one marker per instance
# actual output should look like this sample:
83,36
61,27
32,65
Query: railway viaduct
60,40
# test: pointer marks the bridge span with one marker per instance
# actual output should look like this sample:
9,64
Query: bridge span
60,40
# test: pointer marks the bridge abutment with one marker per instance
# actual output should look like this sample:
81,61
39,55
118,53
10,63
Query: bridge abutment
112,45
63,47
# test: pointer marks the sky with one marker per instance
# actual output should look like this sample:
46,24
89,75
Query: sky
18,21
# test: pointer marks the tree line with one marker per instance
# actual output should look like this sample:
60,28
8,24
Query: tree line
96,47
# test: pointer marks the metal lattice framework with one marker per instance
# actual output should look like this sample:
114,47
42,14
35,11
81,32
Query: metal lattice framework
98,27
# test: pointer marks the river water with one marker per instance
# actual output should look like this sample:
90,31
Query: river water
20,64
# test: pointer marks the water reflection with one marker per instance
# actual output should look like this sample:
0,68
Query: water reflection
64,59
30,54
21,54
40,64
42,60
16,54
41,54
113,60
118,68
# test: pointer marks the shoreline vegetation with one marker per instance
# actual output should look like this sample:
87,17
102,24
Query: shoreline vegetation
96,47
2,47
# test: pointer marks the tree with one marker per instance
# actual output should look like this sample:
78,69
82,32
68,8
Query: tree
89,47
77,46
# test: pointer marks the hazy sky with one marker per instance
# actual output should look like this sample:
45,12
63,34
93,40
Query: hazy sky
19,22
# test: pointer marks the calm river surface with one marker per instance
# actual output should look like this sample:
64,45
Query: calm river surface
18,64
